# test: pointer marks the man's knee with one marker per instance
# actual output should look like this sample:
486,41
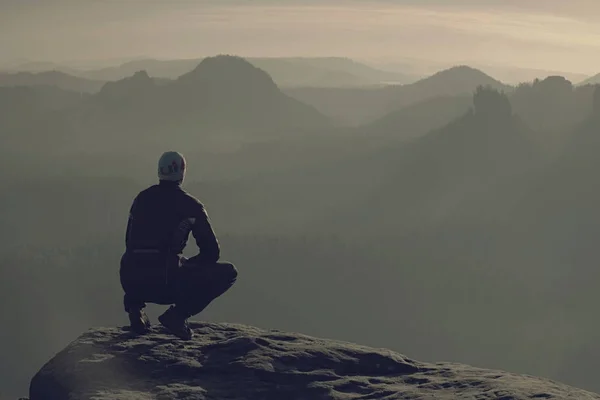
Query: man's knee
228,271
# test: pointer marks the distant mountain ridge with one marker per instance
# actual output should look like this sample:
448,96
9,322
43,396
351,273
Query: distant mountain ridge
456,165
225,101
420,118
593,80
361,106
286,71
461,78
328,72
51,78
516,75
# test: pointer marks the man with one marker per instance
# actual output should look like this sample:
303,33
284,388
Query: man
153,268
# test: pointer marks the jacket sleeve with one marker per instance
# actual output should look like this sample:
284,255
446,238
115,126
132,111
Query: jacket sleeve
205,238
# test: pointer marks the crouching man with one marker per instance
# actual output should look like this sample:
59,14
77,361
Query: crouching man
153,269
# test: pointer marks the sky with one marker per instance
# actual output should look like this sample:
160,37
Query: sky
547,34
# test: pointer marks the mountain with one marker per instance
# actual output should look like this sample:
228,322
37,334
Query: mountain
286,72
462,165
564,199
37,66
242,362
228,90
170,69
456,80
515,75
419,118
224,101
373,183
594,80
448,175
360,106
561,206
59,79
221,104
51,78
372,180
553,108
132,86
327,72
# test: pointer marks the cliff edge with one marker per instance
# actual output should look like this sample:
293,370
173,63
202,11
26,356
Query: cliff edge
227,361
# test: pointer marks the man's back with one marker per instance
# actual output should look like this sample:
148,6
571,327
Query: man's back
161,219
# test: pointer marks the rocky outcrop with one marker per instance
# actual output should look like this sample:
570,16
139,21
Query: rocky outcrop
227,361
138,85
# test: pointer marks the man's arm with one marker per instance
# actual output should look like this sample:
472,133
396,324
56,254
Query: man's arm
129,220
206,239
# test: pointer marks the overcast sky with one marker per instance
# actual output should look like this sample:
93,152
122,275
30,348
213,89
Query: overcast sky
549,34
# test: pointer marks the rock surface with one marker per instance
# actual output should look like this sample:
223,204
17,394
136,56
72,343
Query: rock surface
227,361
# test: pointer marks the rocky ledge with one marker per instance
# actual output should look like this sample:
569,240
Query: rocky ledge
226,361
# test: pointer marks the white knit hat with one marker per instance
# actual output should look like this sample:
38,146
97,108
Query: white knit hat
171,166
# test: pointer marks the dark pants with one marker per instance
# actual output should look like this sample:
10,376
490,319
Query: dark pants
189,284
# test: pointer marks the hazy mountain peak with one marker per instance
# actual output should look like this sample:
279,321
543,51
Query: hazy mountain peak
49,74
141,75
140,81
555,83
228,71
462,75
591,80
556,78
461,68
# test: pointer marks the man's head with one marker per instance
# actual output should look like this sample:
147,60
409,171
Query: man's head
171,167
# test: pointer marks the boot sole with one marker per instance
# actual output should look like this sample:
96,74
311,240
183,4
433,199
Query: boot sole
174,331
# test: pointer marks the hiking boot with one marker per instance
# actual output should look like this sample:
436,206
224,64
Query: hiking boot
139,321
176,324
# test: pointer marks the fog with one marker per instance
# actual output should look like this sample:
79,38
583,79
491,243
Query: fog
449,215
494,32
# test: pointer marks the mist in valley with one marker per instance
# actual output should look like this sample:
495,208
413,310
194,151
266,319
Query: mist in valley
396,199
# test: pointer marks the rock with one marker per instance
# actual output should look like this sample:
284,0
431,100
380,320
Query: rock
226,361
139,84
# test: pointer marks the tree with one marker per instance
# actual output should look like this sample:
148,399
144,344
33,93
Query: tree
491,105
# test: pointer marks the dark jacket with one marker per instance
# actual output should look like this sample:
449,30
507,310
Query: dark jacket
161,219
